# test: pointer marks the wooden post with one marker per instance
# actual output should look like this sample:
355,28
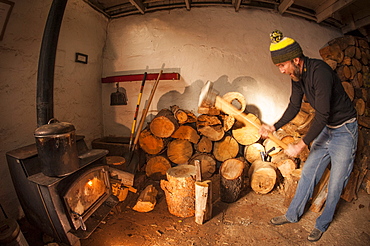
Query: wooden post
203,201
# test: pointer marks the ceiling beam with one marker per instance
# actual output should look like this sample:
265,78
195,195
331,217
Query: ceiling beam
323,13
139,5
284,5
188,4
353,25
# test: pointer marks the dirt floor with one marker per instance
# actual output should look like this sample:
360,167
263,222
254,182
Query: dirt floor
244,222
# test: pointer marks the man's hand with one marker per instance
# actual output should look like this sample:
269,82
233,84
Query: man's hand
265,130
294,150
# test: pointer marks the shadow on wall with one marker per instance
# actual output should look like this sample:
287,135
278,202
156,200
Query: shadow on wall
188,100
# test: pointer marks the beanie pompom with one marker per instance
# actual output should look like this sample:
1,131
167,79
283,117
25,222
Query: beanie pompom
276,36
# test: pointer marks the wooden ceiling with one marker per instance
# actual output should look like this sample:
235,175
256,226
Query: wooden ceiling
351,16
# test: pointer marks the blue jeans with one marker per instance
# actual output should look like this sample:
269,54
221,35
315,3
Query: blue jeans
338,147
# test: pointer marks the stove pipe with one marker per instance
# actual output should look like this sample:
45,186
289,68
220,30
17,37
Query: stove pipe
45,75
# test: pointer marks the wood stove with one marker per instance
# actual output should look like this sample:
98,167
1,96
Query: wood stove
68,208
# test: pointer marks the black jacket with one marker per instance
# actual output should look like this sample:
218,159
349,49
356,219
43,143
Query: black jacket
324,92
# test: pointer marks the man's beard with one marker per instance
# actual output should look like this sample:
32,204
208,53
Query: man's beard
296,75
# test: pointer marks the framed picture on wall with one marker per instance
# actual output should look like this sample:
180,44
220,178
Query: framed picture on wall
5,10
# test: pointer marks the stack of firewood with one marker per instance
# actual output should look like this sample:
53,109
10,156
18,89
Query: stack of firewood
349,56
178,137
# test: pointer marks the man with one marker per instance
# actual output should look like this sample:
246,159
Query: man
333,131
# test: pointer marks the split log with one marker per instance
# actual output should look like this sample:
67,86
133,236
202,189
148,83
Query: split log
203,201
364,121
320,192
231,179
228,121
331,63
164,124
350,51
147,199
204,145
208,111
349,192
186,132
303,129
157,166
179,189
207,164
262,176
286,167
300,118
151,144
183,116
210,126
179,151
247,134
119,191
226,148
360,106
125,178
290,186
332,52
253,152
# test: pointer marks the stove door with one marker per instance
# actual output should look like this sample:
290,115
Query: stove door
86,194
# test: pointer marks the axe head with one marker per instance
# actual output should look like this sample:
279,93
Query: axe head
207,97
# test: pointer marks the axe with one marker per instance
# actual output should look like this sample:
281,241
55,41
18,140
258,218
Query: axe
209,98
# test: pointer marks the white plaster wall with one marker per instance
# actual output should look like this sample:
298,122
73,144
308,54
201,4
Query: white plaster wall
217,44
77,94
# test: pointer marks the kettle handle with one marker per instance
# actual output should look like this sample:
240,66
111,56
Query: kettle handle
53,120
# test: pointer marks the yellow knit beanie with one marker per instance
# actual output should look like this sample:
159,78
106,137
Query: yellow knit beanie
283,48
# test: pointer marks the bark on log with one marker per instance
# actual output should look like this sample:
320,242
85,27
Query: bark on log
147,199
204,145
208,110
179,189
151,144
203,201
253,152
210,126
226,148
231,179
183,116
186,132
164,124
157,166
246,134
262,177
207,164
179,151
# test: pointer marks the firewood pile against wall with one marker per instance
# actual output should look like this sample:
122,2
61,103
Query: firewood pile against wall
349,56
177,137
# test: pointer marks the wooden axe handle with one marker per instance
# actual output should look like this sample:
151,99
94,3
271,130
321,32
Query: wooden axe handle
229,109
